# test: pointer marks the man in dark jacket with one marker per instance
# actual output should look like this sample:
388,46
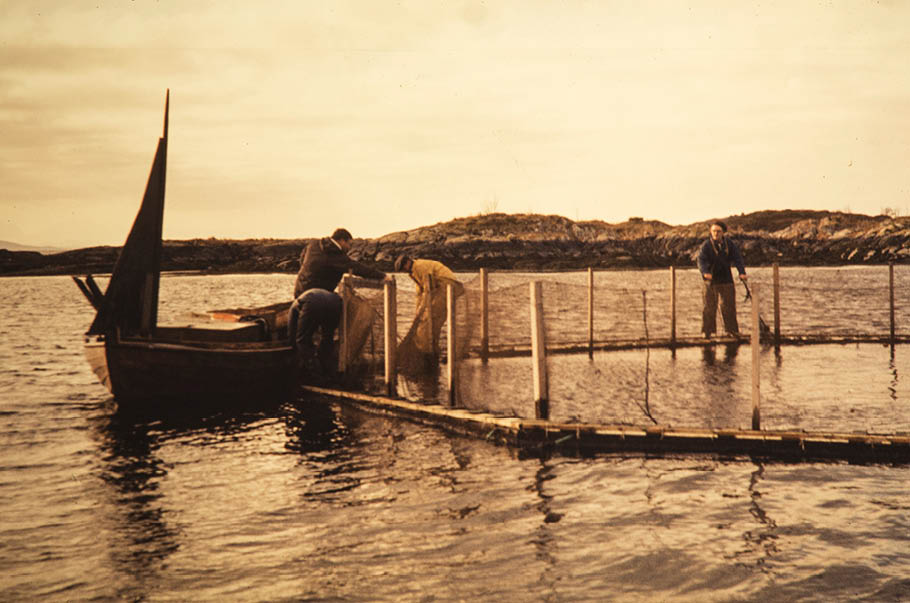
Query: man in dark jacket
316,307
715,258
325,261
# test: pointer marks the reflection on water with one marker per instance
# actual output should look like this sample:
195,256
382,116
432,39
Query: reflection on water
761,541
709,354
141,538
315,429
720,383
546,544
325,444
147,534
720,375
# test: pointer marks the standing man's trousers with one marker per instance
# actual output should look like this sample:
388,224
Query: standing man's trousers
727,294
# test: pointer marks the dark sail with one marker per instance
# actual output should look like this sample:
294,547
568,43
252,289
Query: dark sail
131,300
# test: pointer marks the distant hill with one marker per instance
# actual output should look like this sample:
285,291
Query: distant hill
534,242
10,246
550,242
530,227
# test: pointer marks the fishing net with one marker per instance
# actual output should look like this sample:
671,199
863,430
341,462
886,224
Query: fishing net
420,348
362,314
505,382
607,343
422,333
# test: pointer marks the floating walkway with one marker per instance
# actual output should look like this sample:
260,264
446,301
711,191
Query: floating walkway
690,342
542,437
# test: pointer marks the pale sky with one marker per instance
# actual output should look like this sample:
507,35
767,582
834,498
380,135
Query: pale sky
289,119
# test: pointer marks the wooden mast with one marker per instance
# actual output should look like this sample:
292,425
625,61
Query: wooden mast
130,303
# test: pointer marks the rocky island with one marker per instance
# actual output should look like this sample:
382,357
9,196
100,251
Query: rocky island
532,242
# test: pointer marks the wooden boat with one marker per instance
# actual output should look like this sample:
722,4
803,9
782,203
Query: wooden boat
139,360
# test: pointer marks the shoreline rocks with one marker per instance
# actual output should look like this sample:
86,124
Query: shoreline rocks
532,242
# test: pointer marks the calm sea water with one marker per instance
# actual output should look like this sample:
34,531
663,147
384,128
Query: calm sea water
309,500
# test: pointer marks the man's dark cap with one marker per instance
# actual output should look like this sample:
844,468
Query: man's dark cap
341,234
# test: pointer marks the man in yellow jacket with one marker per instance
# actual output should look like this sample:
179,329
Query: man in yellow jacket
431,278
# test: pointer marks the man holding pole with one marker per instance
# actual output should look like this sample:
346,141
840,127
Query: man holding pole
715,259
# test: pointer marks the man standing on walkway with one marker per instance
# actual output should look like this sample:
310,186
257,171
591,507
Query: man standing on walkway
717,255
316,307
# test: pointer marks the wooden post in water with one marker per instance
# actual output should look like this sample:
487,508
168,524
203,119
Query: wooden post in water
776,273
343,325
451,347
672,306
756,361
590,313
484,317
891,286
390,334
539,353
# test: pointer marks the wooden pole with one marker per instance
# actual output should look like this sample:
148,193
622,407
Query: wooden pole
343,326
590,313
390,334
484,317
756,361
451,347
672,306
539,353
147,320
891,286
428,283
776,272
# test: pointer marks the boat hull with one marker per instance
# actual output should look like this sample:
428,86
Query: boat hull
150,371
